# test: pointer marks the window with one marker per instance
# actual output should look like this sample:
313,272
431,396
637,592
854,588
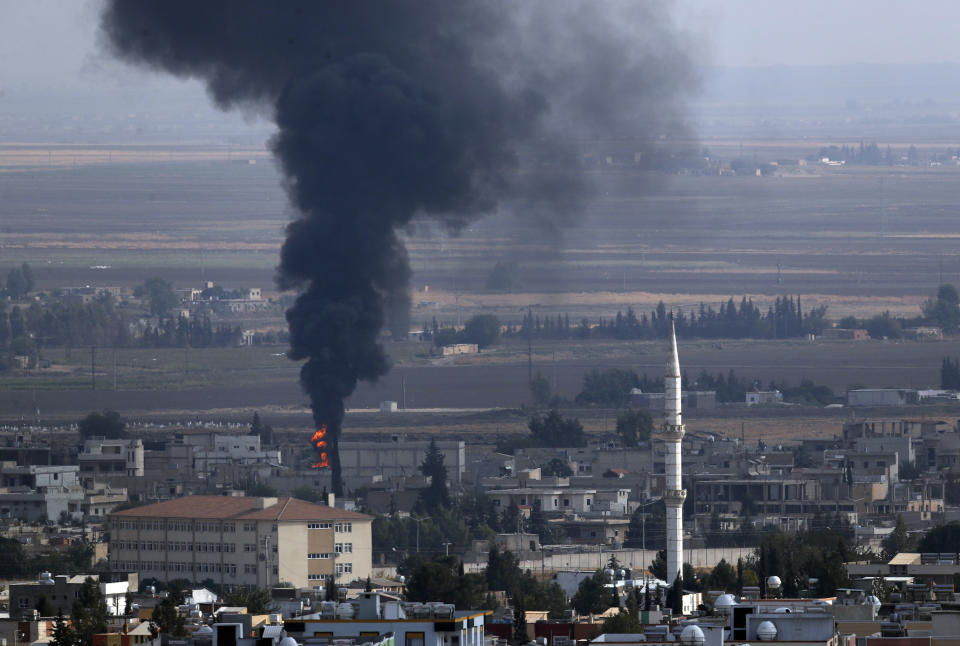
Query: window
315,577
318,525
338,548
319,555
249,547
348,568
414,639
343,528
249,527
348,548
24,602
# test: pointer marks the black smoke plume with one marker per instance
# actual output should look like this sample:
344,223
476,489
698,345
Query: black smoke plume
390,110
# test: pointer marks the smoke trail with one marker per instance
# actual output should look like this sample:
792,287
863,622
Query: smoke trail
398,109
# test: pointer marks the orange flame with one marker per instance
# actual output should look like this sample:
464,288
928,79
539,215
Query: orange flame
318,441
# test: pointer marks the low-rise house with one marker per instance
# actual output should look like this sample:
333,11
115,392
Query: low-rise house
881,397
101,457
100,499
845,334
763,397
40,493
140,634
594,530
60,592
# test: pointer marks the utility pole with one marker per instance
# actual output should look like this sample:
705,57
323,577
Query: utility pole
93,366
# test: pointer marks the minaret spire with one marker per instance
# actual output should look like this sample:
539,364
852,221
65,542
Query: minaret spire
672,434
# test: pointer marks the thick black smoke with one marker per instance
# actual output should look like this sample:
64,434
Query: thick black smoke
390,110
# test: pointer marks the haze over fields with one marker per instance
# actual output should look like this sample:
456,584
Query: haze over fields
110,175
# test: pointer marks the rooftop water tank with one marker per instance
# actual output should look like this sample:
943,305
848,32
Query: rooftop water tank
773,582
692,635
723,603
766,631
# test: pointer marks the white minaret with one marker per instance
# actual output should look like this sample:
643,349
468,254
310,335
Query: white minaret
672,434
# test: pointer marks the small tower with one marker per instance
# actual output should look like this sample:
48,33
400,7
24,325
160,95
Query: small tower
672,434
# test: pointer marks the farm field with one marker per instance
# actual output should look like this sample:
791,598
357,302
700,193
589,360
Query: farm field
860,241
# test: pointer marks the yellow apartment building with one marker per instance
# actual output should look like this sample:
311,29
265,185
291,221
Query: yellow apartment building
242,541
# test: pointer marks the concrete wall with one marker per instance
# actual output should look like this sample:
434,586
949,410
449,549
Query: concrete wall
594,559
404,457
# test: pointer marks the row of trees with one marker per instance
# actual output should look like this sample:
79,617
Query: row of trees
941,310
865,154
785,318
26,331
482,329
15,563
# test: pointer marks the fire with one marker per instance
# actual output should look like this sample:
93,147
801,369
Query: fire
318,441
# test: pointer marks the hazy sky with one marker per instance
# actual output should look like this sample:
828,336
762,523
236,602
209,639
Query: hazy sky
51,44
825,32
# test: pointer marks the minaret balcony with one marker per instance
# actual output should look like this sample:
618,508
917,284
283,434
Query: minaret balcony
672,432
674,496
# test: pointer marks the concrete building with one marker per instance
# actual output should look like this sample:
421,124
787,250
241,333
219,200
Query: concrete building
399,457
40,493
242,541
881,397
763,397
460,348
562,499
217,451
60,592
103,457
845,334
697,399
375,614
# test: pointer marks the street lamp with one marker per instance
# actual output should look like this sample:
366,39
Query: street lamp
643,525
419,520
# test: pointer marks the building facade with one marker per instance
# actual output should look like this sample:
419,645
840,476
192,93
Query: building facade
102,457
242,541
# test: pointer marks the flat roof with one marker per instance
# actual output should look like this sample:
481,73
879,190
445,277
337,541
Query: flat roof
905,558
